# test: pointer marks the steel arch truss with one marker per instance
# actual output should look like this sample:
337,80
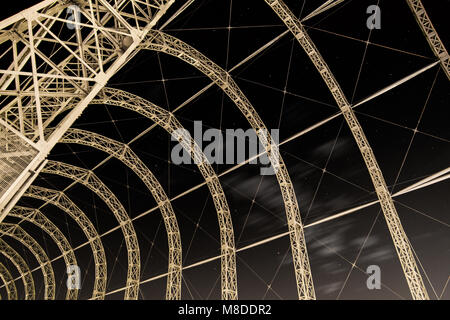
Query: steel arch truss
64,203
16,232
430,33
92,182
22,267
159,41
7,279
167,121
124,153
38,83
36,217
401,242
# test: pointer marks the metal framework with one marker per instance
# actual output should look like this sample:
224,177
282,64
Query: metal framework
7,279
16,232
159,41
401,242
92,182
124,153
38,82
430,33
22,267
167,120
36,217
64,203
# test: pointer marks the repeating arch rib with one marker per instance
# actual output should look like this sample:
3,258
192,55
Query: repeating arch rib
159,41
430,33
16,232
22,267
91,181
124,153
64,203
36,217
7,279
167,120
401,242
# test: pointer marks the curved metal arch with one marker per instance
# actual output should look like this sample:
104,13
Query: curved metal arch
124,153
401,242
60,200
36,217
431,34
7,279
159,41
22,267
16,232
90,180
167,121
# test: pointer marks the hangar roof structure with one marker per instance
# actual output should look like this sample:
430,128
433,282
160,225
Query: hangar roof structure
95,94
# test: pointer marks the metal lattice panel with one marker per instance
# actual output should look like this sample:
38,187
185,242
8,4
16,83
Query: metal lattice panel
167,120
87,56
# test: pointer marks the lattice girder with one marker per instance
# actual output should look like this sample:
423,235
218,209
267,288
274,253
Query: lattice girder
22,267
401,242
430,33
167,121
7,279
91,181
159,41
36,217
64,203
124,153
16,232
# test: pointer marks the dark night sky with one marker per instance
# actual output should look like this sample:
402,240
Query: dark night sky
287,92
